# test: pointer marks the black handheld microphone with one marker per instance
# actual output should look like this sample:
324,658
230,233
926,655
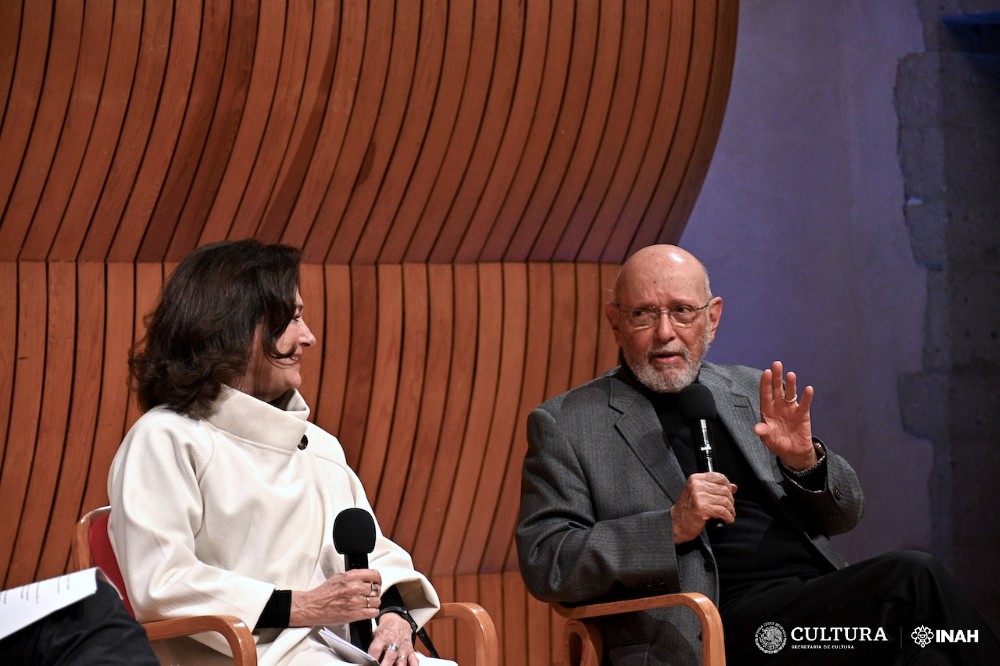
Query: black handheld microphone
697,410
354,538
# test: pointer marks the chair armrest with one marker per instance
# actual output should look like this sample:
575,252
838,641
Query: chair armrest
484,633
713,641
232,628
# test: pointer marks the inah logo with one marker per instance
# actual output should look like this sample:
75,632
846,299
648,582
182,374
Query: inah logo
922,636
770,637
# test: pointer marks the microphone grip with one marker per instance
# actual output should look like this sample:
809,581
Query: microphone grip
356,560
361,630
361,634
706,458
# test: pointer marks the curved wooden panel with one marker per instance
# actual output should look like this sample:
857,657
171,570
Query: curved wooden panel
288,80
75,132
357,154
463,176
56,392
330,141
524,100
198,86
398,74
239,164
28,67
413,306
428,447
500,453
102,142
382,132
463,305
162,147
10,24
594,122
79,437
23,422
477,470
302,143
133,135
51,112
387,365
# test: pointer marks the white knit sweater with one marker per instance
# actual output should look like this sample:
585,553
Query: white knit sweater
209,516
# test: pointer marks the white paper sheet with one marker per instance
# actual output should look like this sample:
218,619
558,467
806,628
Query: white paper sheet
20,606
352,655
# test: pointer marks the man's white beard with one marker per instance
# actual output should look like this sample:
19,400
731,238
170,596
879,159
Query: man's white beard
671,382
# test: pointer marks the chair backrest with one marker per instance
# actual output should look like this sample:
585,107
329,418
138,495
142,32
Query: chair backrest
92,548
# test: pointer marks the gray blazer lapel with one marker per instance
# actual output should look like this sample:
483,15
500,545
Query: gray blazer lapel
739,413
641,429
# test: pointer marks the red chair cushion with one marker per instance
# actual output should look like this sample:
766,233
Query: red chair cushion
103,556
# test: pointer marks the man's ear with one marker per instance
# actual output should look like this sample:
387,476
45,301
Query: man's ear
613,315
715,314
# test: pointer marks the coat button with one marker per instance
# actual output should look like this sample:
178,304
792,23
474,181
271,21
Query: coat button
837,494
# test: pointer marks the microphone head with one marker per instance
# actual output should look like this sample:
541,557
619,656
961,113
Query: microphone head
354,531
696,403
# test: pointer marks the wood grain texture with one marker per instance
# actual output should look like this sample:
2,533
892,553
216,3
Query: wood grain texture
463,177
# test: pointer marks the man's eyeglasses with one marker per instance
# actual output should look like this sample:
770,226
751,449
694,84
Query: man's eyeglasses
680,315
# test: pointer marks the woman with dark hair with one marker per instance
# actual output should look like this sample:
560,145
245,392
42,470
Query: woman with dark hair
224,495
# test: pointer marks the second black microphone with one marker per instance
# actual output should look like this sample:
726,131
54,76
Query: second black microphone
354,538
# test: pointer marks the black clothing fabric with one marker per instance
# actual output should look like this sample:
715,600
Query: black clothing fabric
897,592
276,611
94,630
279,607
769,573
761,544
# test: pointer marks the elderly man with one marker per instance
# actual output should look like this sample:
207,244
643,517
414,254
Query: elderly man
614,504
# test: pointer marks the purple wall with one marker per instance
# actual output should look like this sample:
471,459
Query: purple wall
801,224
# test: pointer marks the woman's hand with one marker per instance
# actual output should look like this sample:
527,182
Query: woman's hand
392,643
340,599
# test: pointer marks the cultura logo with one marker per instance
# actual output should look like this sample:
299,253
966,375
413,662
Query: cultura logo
770,637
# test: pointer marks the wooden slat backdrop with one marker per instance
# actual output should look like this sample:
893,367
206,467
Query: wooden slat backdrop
463,177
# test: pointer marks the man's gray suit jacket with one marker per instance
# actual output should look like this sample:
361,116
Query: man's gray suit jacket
597,487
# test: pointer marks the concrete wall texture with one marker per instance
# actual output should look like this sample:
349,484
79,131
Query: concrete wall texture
850,223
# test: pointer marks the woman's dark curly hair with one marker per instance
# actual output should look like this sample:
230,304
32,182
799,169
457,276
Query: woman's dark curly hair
199,337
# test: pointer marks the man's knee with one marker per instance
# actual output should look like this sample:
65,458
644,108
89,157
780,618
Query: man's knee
917,564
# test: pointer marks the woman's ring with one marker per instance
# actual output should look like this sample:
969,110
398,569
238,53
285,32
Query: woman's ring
367,601
392,646
374,590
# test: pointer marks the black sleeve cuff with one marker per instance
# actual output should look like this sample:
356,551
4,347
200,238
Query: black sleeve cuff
392,602
812,479
277,611
391,598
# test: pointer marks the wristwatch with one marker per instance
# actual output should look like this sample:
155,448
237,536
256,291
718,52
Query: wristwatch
820,457
403,613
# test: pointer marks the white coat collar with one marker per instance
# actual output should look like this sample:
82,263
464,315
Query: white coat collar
244,416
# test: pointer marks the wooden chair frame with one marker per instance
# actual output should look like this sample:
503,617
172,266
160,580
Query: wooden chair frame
584,645
480,625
